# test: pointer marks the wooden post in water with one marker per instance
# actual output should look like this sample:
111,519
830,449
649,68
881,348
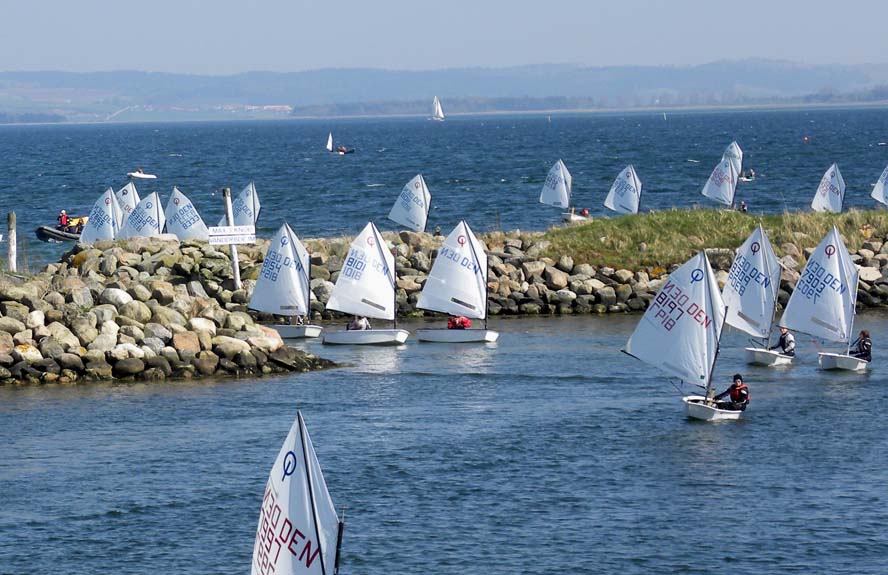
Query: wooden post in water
229,215
10,225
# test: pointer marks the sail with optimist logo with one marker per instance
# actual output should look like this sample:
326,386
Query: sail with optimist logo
183,219
680,331
411,209
751,289
457,283
625,194
283,284
104,219
299,531
245,208
822,304
830,194
127,198
366,284
146,219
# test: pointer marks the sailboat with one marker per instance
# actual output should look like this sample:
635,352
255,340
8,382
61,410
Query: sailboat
437,111
127,199
735,155
299,530
145,220
625,195
411,209
457,285
878,193
284,284
824,299
751,295
330,142
830,194
183,219
557,189
103,222
245,208
722,182
680,332
366,287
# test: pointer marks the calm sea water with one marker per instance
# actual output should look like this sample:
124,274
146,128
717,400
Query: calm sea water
488,170
548,452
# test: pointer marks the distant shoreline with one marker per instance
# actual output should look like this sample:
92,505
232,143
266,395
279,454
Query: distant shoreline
776,107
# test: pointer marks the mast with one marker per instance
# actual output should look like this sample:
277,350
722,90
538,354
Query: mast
853,313
718,340
774,307
311,497
339,542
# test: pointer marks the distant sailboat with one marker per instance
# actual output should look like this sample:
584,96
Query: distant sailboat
680,332
879,191
284,284
625,195
457,285
824,299
437,111
735,154
557,190
411,209
830,196
366,288
299,531
722,183
330,142
751,296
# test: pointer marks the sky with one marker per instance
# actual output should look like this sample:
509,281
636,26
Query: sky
226,37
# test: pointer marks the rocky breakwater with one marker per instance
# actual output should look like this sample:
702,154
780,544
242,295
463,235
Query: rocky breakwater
525,279
139,309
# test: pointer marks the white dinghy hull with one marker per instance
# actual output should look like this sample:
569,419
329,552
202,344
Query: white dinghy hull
367,337
287,331
841,361
766,357
699,408
457,335
570,218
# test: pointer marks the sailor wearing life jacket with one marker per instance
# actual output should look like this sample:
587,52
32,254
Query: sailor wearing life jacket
738,393
786,343
864,346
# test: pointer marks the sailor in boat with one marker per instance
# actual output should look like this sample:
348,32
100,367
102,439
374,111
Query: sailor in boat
738,395
743,207
864,349
459,322
786,343
358,323
437,231
63,221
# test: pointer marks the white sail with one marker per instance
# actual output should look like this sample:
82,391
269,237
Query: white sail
411,209
822,303
830,193
437,110
457,284
183,219
283,284
366,283
104,219
556,188
735,154
751,290
127,199
680,330
625,195
879,189
298,527
245,208
330,142
146,219
722,182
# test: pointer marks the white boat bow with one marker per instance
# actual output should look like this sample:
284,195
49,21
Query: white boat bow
443,335
841,361
367,337
698,407
762,356
287,331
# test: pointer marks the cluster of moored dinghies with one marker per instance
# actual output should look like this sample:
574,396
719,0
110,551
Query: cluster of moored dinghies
624,196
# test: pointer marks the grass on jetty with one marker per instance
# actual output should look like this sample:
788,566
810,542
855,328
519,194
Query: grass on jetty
659,239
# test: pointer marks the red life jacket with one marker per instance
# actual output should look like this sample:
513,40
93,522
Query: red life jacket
740,393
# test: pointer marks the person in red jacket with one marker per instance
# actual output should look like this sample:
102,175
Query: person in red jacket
63,221
459,322
738,393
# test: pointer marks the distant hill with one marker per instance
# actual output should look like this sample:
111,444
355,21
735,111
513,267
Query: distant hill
139,96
